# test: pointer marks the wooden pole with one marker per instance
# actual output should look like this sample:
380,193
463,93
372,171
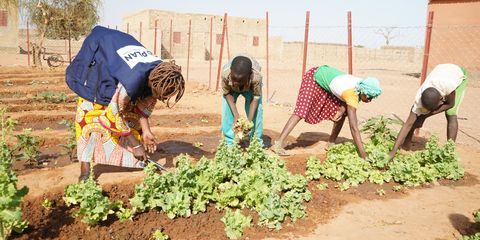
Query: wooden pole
266,43
69,46
305,42
210,56
426,54
155,38
140,32
221,52
188,50
350,65
426,51
171,37
226,34
28,42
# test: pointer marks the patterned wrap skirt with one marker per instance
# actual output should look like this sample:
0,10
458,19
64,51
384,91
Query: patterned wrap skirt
98,144
314,104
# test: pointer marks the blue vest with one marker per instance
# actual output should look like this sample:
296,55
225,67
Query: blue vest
109,57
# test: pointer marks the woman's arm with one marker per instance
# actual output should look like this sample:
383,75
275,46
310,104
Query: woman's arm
233,107
253,108
113,120
357,139
149,140
145,108
406,127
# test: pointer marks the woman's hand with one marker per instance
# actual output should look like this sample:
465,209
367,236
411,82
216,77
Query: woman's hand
149,141
339,114
139,152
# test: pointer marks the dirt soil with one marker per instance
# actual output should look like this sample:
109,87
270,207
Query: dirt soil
435,211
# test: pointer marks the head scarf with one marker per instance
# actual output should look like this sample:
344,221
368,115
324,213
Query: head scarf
369,86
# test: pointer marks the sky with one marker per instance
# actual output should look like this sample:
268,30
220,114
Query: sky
287,18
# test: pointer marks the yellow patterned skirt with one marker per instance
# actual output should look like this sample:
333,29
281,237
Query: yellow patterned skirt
97,143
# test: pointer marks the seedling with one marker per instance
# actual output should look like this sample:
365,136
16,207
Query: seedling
159,235
50,97
380,192
69,147
242,128
27,146
322,186
397,188
198,144
47,204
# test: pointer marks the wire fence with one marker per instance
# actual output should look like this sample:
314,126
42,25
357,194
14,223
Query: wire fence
196,42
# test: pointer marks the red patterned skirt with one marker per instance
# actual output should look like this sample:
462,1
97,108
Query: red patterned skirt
313,103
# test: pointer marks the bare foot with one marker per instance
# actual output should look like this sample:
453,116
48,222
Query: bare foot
279,150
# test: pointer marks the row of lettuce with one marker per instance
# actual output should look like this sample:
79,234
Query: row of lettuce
241,183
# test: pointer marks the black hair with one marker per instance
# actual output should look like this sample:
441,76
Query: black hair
431,98
241,66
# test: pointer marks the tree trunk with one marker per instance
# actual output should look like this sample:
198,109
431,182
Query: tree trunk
37,55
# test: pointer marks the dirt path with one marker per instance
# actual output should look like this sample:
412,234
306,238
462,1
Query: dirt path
437,213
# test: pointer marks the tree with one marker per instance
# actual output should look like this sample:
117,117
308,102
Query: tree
59,19
386,32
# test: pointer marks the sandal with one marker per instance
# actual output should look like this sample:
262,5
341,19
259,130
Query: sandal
277,148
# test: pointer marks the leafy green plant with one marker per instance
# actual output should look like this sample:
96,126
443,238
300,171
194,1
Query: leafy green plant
322,186
47,203
27,146
380,192
124,214
397,188
70,146
11,197
476,218
8,83
235,222
198,144
93,206
235,178
159,235
50,97
242,127
345,166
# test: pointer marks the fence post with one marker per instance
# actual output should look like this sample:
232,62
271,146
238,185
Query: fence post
140,32
128,28
350,66
426,50
210,56
426,53
226,34
188,50
266,43
221,51
28,42
69,46
305,42
171,37
155,38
